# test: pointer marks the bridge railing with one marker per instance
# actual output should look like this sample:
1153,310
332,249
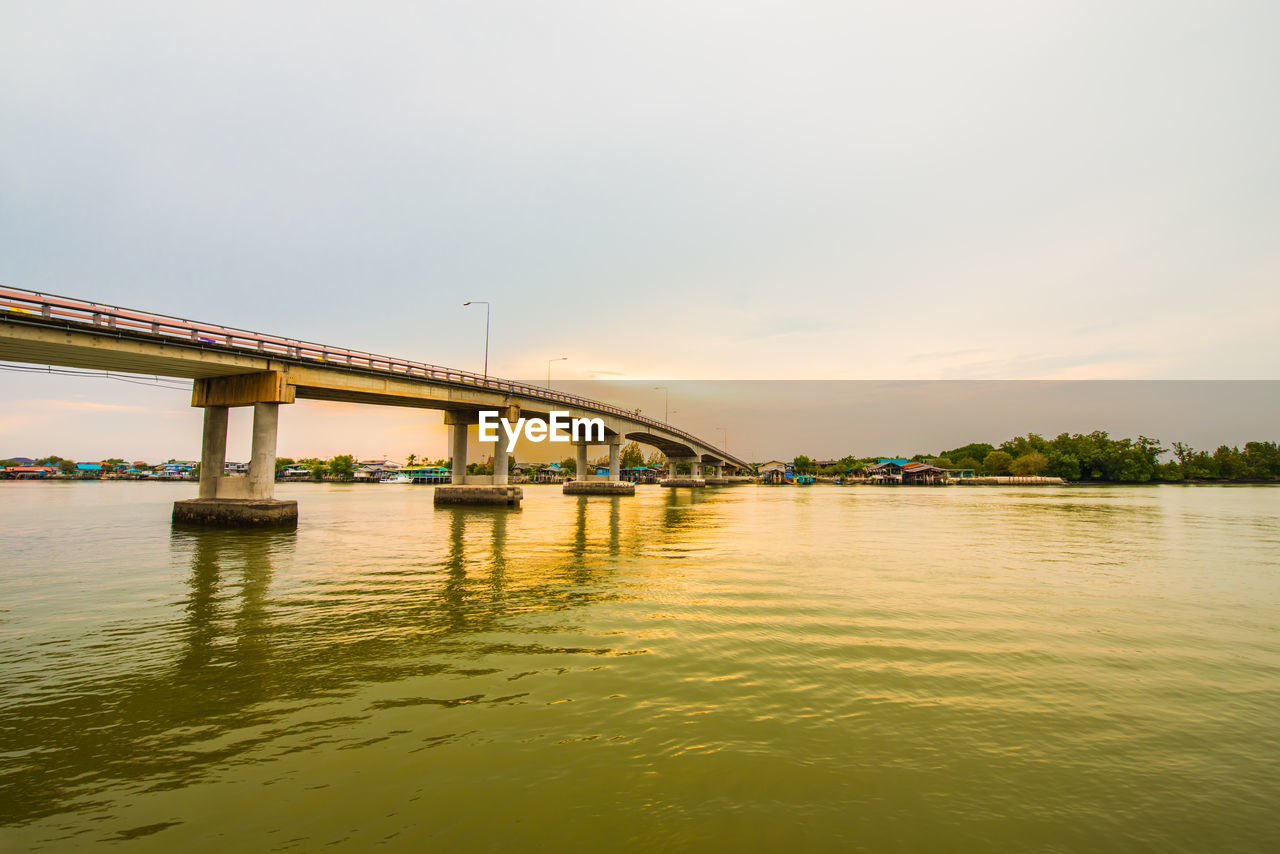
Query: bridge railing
59,309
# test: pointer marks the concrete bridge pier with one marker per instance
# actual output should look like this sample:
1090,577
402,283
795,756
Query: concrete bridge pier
487,490
585,483
458,450
716,476
239,502
692,479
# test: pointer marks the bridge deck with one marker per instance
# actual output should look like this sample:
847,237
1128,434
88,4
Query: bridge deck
53,330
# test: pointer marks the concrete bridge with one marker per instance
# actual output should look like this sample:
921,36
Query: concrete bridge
235,367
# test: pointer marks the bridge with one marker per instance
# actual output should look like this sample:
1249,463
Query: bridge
236,367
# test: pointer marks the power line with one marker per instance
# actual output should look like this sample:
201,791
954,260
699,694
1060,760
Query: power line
153,382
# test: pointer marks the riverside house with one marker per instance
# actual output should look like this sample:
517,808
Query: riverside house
296,471
177,471
31,472
373,471
775,471
893,470
550,474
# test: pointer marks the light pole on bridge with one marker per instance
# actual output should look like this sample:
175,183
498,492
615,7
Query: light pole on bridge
549,361
485,303
666,406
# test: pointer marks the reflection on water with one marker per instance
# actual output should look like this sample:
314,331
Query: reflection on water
903,669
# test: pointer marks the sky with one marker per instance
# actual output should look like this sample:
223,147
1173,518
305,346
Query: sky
661,192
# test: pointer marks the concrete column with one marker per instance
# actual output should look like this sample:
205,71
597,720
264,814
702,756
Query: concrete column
500,462
459,454
213,450
615,464
580,456
672,471
695,467
262,465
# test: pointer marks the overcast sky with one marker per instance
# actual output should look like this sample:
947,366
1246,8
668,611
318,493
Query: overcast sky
783,190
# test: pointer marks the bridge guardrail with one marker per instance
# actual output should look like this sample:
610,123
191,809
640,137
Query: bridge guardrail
55,308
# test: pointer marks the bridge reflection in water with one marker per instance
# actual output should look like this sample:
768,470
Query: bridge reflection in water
266,648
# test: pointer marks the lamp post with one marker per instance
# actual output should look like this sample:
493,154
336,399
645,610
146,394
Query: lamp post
485,303
666,406
549,361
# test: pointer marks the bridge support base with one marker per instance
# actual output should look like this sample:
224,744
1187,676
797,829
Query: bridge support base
683,480
599,487
499,496
236,513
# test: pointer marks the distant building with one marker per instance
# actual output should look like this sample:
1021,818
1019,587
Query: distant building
775,471
899,470
29,472
375,470
550,474
422,474
176,471
923,473
642,474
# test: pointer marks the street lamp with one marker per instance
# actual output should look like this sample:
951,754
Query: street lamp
485,303
666,406
549,361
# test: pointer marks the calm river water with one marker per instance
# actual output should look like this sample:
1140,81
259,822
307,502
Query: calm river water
737,669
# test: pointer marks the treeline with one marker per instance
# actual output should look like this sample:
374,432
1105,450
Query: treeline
1095,457
1098,457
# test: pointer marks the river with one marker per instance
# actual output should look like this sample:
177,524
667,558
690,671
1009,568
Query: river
734,669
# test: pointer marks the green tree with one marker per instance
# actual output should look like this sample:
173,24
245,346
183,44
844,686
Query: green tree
1261,460
943,462
342,465
413,459
569,465
282,463
1020,446
66,466
632,456
1063,465
1228,463
997,463
802,465
974,451
1030,463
